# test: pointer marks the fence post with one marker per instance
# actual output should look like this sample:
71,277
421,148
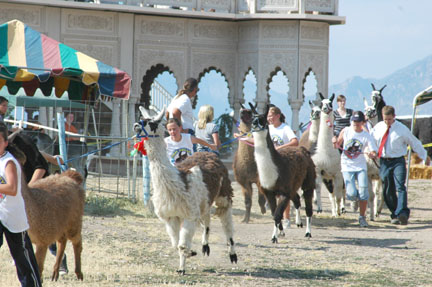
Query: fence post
146,179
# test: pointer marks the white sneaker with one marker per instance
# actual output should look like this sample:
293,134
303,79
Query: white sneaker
286,223
362,221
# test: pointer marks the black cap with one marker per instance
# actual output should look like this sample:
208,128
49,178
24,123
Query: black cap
358,116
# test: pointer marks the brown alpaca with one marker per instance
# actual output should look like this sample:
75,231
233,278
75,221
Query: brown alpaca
282,173
245,169
55,206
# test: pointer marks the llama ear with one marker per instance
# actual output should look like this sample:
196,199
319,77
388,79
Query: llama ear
373,87
365,102
242,106
253,108
310,104
382,88
144,112
332,97
159,117
321,96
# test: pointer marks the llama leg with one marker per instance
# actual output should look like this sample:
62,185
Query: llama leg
40,255
308,198
261,199
205,223
61,245
371,200
172,226
77,247
227,225
278,215
317,194
186,233
296,200
247,193
379,201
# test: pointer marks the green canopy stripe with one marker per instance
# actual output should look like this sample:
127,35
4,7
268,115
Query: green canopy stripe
4,57
68,57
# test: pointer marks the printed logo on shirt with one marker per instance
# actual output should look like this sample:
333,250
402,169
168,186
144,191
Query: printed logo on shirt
2,196
180,155
353,148
277,140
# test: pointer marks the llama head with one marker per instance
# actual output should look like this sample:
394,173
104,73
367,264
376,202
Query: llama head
259,121
152,123
376,95
370,111
315,111
246,115
327,104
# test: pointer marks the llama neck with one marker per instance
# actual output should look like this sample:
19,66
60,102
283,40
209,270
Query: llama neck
160,166
244,148
314,130
264,156
325,131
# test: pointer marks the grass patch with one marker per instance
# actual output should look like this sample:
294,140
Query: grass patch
99,205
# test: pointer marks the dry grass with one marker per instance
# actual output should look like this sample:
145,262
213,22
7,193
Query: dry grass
124,245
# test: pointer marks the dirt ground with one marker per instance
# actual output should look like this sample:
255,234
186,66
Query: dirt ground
124,245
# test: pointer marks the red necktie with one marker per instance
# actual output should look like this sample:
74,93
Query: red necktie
383,141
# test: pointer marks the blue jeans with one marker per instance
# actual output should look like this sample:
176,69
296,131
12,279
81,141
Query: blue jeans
393,175
350,178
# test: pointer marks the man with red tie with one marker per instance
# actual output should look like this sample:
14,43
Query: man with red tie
393,139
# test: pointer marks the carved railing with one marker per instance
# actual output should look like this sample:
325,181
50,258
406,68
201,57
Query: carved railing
328,7
160,97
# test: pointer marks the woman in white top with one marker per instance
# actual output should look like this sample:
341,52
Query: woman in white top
181,106
13,217
282,136
180,145
353,161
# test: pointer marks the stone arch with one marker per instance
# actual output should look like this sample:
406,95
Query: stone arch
150,75
282,99
270,80
203,73
308,72
246,74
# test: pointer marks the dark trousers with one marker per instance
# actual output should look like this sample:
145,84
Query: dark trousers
393,175
22,253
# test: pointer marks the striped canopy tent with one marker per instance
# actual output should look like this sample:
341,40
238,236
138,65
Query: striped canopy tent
31,60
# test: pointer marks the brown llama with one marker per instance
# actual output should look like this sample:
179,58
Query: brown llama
55,206
282,173
244,166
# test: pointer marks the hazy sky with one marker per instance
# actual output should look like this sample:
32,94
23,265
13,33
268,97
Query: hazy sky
379,37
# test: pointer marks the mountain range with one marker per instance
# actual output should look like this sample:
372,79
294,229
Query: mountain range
402,86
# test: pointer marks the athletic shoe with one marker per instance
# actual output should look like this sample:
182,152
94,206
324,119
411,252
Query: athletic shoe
362,221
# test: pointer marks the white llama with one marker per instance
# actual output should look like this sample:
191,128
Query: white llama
182,196
327,161
375,201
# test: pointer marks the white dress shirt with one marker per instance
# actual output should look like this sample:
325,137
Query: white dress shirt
399,139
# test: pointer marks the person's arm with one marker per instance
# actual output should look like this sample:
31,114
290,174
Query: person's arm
37,174
216,140
51,158
339,140
292,142
196,140
11,185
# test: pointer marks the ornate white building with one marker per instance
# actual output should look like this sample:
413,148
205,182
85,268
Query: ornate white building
185,37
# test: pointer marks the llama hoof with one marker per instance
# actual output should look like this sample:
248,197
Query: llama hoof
308,235
245,220
55,276
233,258
79,276
193,253
300,225
180,272
263,209
319,210
274,239
206,249
343,211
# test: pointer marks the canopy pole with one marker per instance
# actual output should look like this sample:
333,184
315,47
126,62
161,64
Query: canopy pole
62,140
98,146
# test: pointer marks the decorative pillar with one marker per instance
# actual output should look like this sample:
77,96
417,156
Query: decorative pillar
295,108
